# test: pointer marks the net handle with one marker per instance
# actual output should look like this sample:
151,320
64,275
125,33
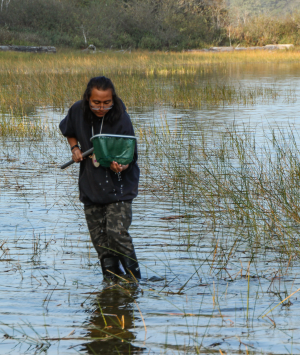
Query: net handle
70,162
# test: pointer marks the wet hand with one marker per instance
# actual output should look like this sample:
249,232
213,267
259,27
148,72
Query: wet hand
117,168
77,155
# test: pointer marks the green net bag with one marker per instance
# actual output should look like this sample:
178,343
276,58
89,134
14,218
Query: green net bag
112,147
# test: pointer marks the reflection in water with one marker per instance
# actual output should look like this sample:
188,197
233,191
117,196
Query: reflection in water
112,321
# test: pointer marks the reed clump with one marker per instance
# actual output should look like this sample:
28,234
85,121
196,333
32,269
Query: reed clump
230,181
12,126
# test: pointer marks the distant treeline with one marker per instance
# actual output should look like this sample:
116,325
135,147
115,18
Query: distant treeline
145,24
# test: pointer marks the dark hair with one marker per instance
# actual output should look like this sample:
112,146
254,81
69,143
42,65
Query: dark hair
101,83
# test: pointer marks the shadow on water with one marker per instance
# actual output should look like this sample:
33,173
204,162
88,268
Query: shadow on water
112,322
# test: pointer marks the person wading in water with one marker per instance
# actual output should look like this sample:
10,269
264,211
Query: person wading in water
106,193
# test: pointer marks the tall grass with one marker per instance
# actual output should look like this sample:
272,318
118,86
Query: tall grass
231,181
143,79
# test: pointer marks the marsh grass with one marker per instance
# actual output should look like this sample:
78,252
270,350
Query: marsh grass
143,79
151,63
136,89
231,181
23,127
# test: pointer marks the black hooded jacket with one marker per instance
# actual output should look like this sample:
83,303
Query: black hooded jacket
101,185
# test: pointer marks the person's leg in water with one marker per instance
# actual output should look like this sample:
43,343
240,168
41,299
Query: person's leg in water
96,221
118,221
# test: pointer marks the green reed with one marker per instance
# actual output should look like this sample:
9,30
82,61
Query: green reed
231,181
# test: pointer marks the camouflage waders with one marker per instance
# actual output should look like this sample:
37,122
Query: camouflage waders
108,226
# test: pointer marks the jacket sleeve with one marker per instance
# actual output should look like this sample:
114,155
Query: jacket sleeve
67,125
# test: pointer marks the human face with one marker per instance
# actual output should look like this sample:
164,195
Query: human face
101,101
